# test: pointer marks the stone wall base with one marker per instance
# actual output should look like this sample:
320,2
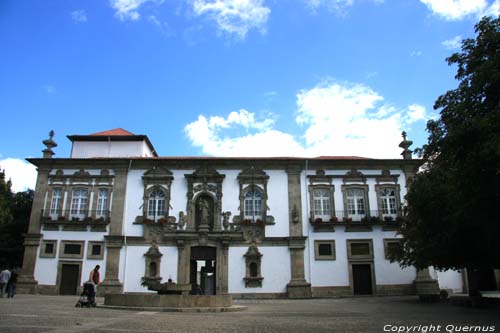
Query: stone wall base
331,291
26,286
46,289
299,290
167,301
396,289
259,295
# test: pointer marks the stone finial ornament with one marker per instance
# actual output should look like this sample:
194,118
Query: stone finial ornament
405,144
49,143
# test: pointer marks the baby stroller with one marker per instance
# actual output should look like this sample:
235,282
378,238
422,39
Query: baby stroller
87,298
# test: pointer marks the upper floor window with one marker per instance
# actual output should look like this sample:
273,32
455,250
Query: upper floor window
356,205
388,203
79,201
253,205
56,203
322,204
156,204
102,202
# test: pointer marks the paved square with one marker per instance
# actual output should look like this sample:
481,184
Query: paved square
35,313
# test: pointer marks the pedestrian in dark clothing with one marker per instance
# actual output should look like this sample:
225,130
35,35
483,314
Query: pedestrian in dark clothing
11,285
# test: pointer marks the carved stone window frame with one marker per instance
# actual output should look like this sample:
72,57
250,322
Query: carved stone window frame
388,241
64,255
363,257
364,188
43,253
253,258
396,188
253,178
90,247
331,190
157,178
318,256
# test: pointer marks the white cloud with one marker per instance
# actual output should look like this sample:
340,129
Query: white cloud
128,9
458,9
79,16
21,173
49,89
416,112
452,43
334,119
335,6
164,27
234,17
415,53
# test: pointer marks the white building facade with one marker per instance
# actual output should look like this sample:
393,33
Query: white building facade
250,227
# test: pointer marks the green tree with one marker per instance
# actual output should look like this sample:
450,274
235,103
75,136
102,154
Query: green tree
453,218
15,210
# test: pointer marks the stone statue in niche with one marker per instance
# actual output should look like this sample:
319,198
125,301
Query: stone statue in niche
204,213
225,220
182,220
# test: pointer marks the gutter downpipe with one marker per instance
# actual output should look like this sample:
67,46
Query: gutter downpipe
125,234
307,224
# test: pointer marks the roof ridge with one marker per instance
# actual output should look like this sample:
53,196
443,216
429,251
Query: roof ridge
114,131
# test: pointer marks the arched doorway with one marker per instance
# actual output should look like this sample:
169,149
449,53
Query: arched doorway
202,275
204,216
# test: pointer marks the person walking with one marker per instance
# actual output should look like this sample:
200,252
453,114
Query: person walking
4,278
95,277
11,285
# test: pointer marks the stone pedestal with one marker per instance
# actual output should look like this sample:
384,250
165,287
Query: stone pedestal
427,287
299,289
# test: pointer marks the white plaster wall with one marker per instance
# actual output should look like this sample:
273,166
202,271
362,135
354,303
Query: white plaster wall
178,196
277,193
450,279
46,268
133,202
84,149
135,266
336,272
275,269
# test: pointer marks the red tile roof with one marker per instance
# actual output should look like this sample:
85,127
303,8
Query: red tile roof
113,132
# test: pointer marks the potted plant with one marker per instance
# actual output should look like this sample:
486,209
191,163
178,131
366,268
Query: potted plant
162,221
347,219
260,223
334,219
388,219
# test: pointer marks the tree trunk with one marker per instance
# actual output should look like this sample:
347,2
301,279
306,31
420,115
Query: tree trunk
472,286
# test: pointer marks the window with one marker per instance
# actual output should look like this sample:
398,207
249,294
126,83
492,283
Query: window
388,203
56,203
71,249
391,246
156,204
356,206
360,249
79,202
48,249
102,202
322,204
324,249
253,205
95,250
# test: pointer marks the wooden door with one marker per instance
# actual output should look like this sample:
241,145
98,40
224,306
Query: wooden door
362,279
70,275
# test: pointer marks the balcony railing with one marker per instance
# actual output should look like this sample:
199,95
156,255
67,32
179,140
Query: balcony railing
372,217
357,222
68,215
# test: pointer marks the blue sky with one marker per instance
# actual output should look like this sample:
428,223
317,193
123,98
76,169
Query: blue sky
227,77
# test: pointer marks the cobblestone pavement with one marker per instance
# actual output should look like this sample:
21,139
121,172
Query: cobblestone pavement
35,313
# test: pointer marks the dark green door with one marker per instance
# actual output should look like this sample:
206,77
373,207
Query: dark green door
69,279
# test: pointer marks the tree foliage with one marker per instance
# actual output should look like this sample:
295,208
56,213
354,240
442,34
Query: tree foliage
15,210
454,203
